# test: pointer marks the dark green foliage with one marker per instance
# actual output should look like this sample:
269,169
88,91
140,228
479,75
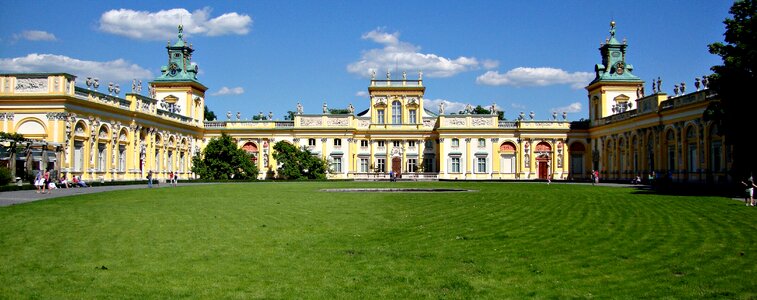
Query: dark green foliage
733,81
339,111
295,161
221,159
12,136
479,110
5,176
290,115
209,114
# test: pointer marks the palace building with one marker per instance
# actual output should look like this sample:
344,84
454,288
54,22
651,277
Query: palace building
101,136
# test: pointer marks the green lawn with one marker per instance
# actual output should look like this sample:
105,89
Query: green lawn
290,240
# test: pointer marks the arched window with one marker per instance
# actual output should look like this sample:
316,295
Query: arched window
396,112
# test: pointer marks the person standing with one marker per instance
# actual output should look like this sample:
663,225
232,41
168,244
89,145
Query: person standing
749,192
593,177
149,179
172,179
596,176
46,177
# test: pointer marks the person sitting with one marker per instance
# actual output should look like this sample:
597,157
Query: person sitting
79,182
63,181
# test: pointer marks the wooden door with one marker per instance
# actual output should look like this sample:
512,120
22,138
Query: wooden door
396,165
543,171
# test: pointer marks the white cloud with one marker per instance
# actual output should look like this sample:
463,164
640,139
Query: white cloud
361,94
490,63
162,25
571,108
449,106
229,91
35,35
517,106
523,76
115,70
406,56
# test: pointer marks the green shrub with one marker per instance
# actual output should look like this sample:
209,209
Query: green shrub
5,176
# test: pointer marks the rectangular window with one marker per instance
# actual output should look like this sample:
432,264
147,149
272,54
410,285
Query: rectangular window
181,162
122,158
429,144
336,165
396,143
413,118
337,142
481,164
671,158
101,157
381,144
715,159
364,165
481,143
455,143
412,165
380,165
692,157
311,142
411,143
157,161
455,165
78,155
170,161
380,116
363,143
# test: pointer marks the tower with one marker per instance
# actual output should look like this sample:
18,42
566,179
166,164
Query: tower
177,88
614,88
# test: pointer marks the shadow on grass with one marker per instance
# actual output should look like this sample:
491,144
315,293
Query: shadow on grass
688,189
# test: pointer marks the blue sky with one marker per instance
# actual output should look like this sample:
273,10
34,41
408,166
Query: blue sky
261,56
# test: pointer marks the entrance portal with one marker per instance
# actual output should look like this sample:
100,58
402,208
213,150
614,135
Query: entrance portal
543,170
396,165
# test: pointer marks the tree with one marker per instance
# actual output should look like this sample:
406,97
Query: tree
479,110
221,159
339,111
733,81
298,163
290,115
209,114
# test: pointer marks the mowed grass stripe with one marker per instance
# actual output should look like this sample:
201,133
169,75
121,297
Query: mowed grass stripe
290,240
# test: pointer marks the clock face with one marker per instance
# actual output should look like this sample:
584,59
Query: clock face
173,68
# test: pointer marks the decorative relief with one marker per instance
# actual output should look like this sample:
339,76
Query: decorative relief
31,85
311,121
56,84
428,123
337,122
479,122
363,123
7,116
454,121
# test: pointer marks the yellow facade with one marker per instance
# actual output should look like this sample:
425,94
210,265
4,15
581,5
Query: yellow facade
100,135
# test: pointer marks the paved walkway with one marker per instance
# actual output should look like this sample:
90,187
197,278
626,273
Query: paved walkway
17,197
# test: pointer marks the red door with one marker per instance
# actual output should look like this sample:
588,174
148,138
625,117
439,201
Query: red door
396,165
543,170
